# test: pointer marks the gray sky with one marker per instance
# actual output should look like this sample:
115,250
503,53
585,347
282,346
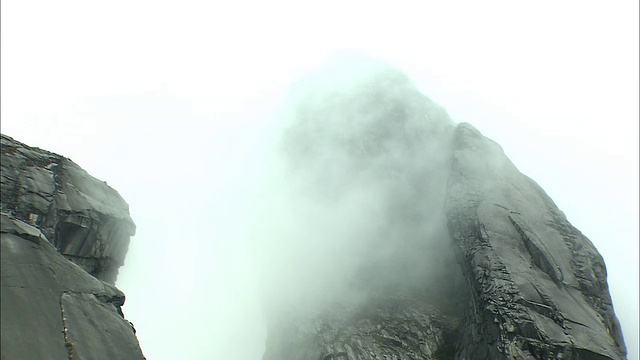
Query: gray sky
171,104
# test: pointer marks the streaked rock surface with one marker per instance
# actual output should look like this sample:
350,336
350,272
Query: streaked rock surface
538,286
54,308
85,219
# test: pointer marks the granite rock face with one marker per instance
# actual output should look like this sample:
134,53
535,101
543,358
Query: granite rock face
54,308
86,220
508,278
538,286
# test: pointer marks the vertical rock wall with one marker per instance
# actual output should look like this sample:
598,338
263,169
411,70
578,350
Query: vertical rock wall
53,308
85,219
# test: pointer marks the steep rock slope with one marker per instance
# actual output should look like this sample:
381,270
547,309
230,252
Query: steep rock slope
538,286
85,219
53,308
464,257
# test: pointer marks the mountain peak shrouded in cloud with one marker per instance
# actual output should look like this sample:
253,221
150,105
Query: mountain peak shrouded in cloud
388,230
174,105
349,215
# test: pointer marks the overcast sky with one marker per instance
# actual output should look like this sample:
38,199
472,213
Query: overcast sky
172,102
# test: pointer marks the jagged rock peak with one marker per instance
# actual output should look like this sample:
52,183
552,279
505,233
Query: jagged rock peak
420,239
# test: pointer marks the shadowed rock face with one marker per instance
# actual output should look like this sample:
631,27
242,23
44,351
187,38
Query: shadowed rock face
53,308
86,220
493,268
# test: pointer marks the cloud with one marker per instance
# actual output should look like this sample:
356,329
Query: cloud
353,203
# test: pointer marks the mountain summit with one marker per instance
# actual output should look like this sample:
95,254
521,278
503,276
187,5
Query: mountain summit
407,236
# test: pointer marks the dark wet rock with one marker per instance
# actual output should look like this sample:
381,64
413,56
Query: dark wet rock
85,219
515,280
53,308
538,285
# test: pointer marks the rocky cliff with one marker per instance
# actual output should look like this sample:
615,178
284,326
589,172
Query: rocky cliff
537,286
64,236
449,253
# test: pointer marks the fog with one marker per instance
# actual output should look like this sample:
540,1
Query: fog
353,202
189,111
